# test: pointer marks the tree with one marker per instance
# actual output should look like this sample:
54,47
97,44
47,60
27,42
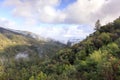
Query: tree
32,78
117,23
69,43
97,25
41,76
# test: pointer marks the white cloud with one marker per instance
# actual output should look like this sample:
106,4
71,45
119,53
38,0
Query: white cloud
50,15
79,12
39,10
109,11
46,11
88,11
58,32
7,23
63,33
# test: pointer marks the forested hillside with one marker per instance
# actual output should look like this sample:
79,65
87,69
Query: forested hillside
95,58
20,51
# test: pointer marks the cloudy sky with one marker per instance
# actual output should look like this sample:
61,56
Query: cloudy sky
57,19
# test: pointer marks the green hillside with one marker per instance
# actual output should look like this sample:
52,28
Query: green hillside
19,51
14,42
95,58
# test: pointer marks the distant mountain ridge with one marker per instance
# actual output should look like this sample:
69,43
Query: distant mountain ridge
27,34
31,42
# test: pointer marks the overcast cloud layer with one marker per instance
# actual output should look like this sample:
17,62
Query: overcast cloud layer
35,13
78,12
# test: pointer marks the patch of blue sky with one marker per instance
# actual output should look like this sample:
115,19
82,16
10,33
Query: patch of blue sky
1,1
6,13
65,3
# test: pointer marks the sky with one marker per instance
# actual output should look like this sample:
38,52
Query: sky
57,19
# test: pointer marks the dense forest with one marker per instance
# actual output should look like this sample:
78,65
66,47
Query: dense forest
95,58
21,50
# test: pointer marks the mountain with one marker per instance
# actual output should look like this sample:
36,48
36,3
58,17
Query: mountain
13,42
22,49
31,35
95,58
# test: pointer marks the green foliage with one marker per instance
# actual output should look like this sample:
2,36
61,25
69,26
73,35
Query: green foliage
95,58
117,23
41,76
32,78
2,72
65,69
105,38
113,48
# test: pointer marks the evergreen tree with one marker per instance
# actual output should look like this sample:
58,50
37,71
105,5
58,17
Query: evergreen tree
97,25
69,43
